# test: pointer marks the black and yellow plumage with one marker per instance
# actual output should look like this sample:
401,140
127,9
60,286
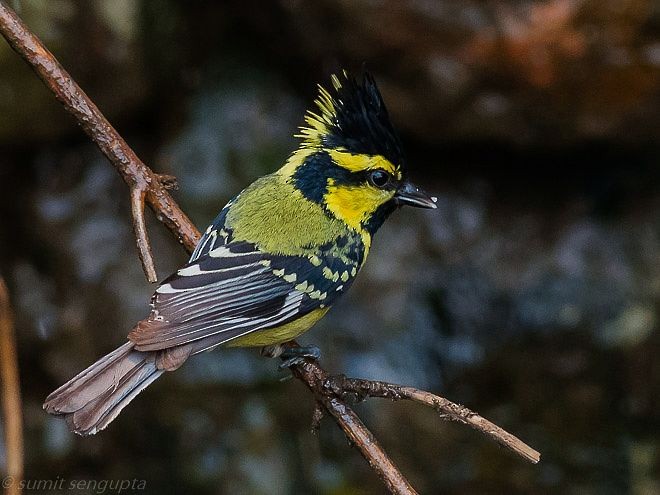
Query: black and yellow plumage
273,262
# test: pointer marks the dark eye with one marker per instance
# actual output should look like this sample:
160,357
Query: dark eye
379,178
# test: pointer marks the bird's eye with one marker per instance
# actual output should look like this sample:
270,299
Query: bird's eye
379,178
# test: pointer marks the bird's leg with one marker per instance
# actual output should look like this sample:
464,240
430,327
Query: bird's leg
291,355
273,351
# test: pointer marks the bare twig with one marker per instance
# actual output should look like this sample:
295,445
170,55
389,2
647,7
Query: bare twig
11,395
169,182
140,229
317,416
342,385
145,185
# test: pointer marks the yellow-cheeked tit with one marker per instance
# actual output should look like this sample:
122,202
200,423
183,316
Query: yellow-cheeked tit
273,262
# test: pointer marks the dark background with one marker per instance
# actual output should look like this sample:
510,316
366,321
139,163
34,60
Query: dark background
531,295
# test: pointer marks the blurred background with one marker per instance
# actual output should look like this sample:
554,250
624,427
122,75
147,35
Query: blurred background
531,295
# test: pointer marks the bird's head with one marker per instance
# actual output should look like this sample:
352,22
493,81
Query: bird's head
350,160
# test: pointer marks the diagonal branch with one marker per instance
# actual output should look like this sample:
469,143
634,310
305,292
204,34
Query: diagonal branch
147,186
135,173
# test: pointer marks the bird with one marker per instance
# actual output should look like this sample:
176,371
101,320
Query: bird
274,260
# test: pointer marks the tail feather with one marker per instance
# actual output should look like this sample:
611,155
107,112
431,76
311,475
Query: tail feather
98,414
93,398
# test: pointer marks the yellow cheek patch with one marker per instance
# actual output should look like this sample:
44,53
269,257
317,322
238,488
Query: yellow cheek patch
355,204
360,163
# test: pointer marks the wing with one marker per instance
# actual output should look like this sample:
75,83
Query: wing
236,289
215,236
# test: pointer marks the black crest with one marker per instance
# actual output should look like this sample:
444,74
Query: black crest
353,117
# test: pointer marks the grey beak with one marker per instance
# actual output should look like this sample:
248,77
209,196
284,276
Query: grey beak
409,194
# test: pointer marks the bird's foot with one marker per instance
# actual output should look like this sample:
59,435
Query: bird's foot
291,355
296,355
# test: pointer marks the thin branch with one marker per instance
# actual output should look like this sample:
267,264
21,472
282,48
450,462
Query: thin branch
342,385
11,395
139,227
142,179
169,182
317,416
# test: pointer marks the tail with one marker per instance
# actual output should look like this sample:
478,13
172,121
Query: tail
93,398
